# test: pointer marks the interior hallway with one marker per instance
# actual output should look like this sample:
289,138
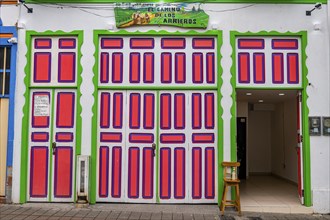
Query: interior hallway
270,194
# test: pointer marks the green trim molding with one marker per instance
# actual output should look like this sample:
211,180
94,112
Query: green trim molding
305,110
25,120
187,1
98,33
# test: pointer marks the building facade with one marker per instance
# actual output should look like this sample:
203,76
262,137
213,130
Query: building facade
155,95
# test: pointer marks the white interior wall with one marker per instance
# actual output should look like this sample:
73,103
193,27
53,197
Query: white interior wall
259,142
284,142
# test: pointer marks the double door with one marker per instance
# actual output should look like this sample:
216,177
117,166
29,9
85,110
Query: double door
157,146
52,142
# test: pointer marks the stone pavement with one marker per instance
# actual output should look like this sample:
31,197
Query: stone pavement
54,211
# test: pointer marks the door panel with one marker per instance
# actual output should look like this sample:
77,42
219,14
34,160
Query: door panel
111,174
51,145
299,150
203,146
141,132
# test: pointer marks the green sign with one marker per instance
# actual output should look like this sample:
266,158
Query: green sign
175,14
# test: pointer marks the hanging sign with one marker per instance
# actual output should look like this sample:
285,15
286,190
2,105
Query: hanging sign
41,105
174,14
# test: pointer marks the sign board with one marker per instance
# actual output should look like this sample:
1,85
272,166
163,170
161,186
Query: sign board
41,105
186,15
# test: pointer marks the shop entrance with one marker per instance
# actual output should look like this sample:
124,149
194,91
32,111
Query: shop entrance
268,148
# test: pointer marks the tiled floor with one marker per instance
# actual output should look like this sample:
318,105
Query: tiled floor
270,194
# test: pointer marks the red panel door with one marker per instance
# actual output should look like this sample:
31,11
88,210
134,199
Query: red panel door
140,157
51,145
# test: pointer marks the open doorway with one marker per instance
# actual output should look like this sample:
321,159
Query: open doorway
269,150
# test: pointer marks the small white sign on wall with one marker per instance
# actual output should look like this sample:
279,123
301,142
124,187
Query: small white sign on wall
41,105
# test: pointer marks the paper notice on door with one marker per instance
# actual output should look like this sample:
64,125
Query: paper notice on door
41,105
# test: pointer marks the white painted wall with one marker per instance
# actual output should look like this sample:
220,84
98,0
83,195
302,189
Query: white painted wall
9,14
228,17
284,132
259,142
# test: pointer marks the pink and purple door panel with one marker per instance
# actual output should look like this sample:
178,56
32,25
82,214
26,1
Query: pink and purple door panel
203,144
173,147
45,161
54,61
111,151
268,62
140,157
155,61
187,151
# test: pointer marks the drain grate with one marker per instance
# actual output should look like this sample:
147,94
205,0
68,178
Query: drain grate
254,218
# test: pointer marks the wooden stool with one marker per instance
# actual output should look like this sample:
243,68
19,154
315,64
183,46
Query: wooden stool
229,182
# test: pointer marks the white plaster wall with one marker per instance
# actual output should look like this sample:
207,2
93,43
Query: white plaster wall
239,17
9,14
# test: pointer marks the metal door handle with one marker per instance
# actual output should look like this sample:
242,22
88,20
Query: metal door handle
153,149
54,147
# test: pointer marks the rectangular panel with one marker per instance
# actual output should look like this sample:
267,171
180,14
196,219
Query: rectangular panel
39,172
104,74
259,68
173,43
209,110
133,172
118,110
172,138
65,109
148,67
142,43
117,67
180,67
203,43
40,109
179,111
179,173
165,173
196,111
43,43
293,68
112,43
166,67
110,137
283,44
277,68
148,173
63,172
165,111
210,68
251,43
149,111
104,171
116,172
42,67
203,138
134,111
197,67
39,136
66,67
105,110
243,68
196,173
67,43
209,173
141,138
134,68
64,136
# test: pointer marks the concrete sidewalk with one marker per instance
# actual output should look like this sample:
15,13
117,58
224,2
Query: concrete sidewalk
52,211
